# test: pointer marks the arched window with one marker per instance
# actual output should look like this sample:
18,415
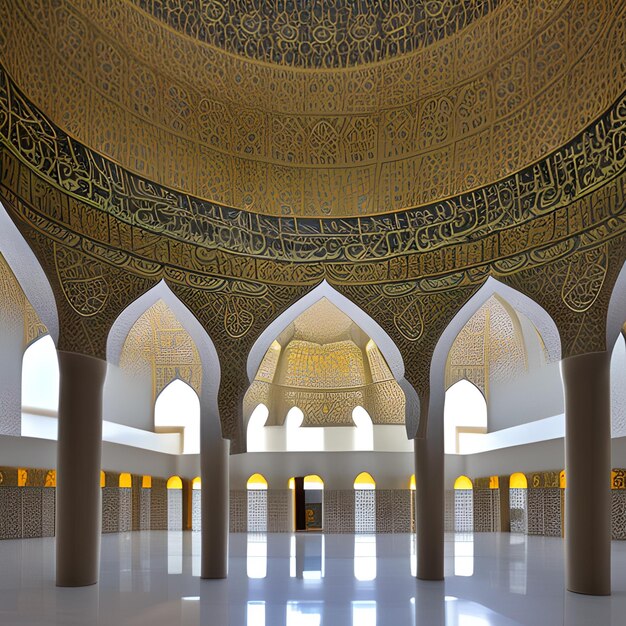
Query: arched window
257,503
364,504
257,441
40,377
364,431
178,407
465,411
126,481
463,505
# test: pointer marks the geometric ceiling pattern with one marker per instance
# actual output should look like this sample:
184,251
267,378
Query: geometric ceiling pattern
489,349
139,143
326,366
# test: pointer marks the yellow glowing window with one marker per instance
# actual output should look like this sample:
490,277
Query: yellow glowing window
292,483
103,479
126,482
518,481
175,483
146,482
364,481
51,479
494,482
313,481
412,482
22,477
562,479
257,481
196,483
463,482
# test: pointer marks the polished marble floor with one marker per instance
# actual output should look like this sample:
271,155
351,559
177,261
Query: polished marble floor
151,578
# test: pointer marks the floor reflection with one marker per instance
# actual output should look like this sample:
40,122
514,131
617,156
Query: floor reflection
463,554
364,613
307,556
365,557
304,613
256,560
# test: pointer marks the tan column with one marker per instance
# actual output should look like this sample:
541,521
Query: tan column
586,383
214,503
79,451
429,498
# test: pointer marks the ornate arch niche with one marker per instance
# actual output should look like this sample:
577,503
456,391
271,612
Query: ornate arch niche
326,365
158,336
490,348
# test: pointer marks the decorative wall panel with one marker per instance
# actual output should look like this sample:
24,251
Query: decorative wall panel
339,515
126,510
145,509
618,513
10,512
486,510
463,510
196,510
401,510
364,510
32,511
48,512
238,511
257,510
448,516
110,509
174,509
544,511
278,510
158,504
518,500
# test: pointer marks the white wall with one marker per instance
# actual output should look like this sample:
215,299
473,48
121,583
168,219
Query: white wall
128,399
528,398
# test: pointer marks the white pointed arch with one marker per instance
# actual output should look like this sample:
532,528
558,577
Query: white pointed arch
29,273
541,319
366,323
616,314
208,354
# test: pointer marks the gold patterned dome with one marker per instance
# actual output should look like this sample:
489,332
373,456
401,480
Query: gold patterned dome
349,109
325,365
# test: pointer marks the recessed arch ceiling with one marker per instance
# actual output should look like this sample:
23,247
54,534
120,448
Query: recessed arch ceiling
159,347
326,366
489,349
482,102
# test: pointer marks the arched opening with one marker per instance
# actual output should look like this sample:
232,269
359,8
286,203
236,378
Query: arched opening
463,505
40,378
336,366
364,504
364,432
518,502
465,413
257,503
175,503
412,489
256,433
177,409
125,502
308,502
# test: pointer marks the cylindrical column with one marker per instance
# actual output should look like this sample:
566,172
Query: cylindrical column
429,498
214,503
79,451
586,383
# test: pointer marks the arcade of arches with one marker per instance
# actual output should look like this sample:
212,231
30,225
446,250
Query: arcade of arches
353,269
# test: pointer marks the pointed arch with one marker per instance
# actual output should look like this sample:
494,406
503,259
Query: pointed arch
544,324
29,273
367,324
208,354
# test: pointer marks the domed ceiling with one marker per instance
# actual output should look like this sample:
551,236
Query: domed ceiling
318,109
